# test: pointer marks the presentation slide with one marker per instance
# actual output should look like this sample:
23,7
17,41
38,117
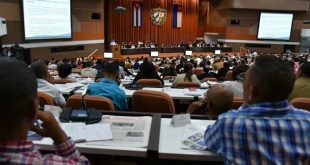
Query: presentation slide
47,19
275,26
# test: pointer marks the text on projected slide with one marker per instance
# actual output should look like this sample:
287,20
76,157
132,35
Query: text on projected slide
47,19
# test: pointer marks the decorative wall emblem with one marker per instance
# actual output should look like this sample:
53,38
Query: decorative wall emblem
159,16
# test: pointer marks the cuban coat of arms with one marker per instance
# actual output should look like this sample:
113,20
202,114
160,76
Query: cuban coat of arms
158,16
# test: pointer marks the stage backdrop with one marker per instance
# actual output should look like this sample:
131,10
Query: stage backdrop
121,24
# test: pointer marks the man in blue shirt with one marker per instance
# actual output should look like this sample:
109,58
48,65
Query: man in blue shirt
266,129
109,87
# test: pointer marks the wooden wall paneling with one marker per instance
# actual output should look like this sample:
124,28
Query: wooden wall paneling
122,30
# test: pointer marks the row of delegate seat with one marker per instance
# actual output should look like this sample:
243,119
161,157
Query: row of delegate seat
161,102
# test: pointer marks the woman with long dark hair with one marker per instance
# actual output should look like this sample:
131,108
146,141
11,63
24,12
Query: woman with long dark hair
187,76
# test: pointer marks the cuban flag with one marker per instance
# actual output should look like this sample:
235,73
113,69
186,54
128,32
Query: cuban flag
137,8
177,15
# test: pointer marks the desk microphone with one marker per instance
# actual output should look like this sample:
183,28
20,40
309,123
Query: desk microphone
89,116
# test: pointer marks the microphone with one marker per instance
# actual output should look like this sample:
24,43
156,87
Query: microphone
83,100
89,116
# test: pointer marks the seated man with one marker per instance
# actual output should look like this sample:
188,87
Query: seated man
266,129
39,68
18,112
217,101
109,87
302,84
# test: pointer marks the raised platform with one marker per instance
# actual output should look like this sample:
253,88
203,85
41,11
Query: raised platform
137,51
173,50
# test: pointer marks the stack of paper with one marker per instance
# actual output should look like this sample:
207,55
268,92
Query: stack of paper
83,132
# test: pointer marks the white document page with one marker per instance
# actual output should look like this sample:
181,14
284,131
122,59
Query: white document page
93,132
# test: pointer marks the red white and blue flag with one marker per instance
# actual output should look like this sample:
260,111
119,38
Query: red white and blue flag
137,13
177,15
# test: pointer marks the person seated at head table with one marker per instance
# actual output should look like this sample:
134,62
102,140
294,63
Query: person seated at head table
88,71
18,113
302,85
218,99
39,68
108,87
64,72
147,70
266,129
237,84
187,76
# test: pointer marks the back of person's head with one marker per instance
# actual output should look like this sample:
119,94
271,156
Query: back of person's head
116,62
88,64
110,70
18,88
239,70
172,70
305,69
269,80
148,68
98,62
64,70
188,70
39,68
206,69
219,99
226,65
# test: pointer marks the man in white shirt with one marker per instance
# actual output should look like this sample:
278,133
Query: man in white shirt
39,68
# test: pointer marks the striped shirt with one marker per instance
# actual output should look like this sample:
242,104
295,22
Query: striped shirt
266,133
24,152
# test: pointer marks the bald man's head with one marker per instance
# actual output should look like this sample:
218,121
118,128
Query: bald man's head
219,99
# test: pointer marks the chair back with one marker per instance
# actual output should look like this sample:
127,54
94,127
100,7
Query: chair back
96,102
228,76
237,102
152,101
187,85
45,99
61,81
150,82
301,103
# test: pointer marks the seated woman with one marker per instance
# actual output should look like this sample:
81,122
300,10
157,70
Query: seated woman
147,71
64,72
187,76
